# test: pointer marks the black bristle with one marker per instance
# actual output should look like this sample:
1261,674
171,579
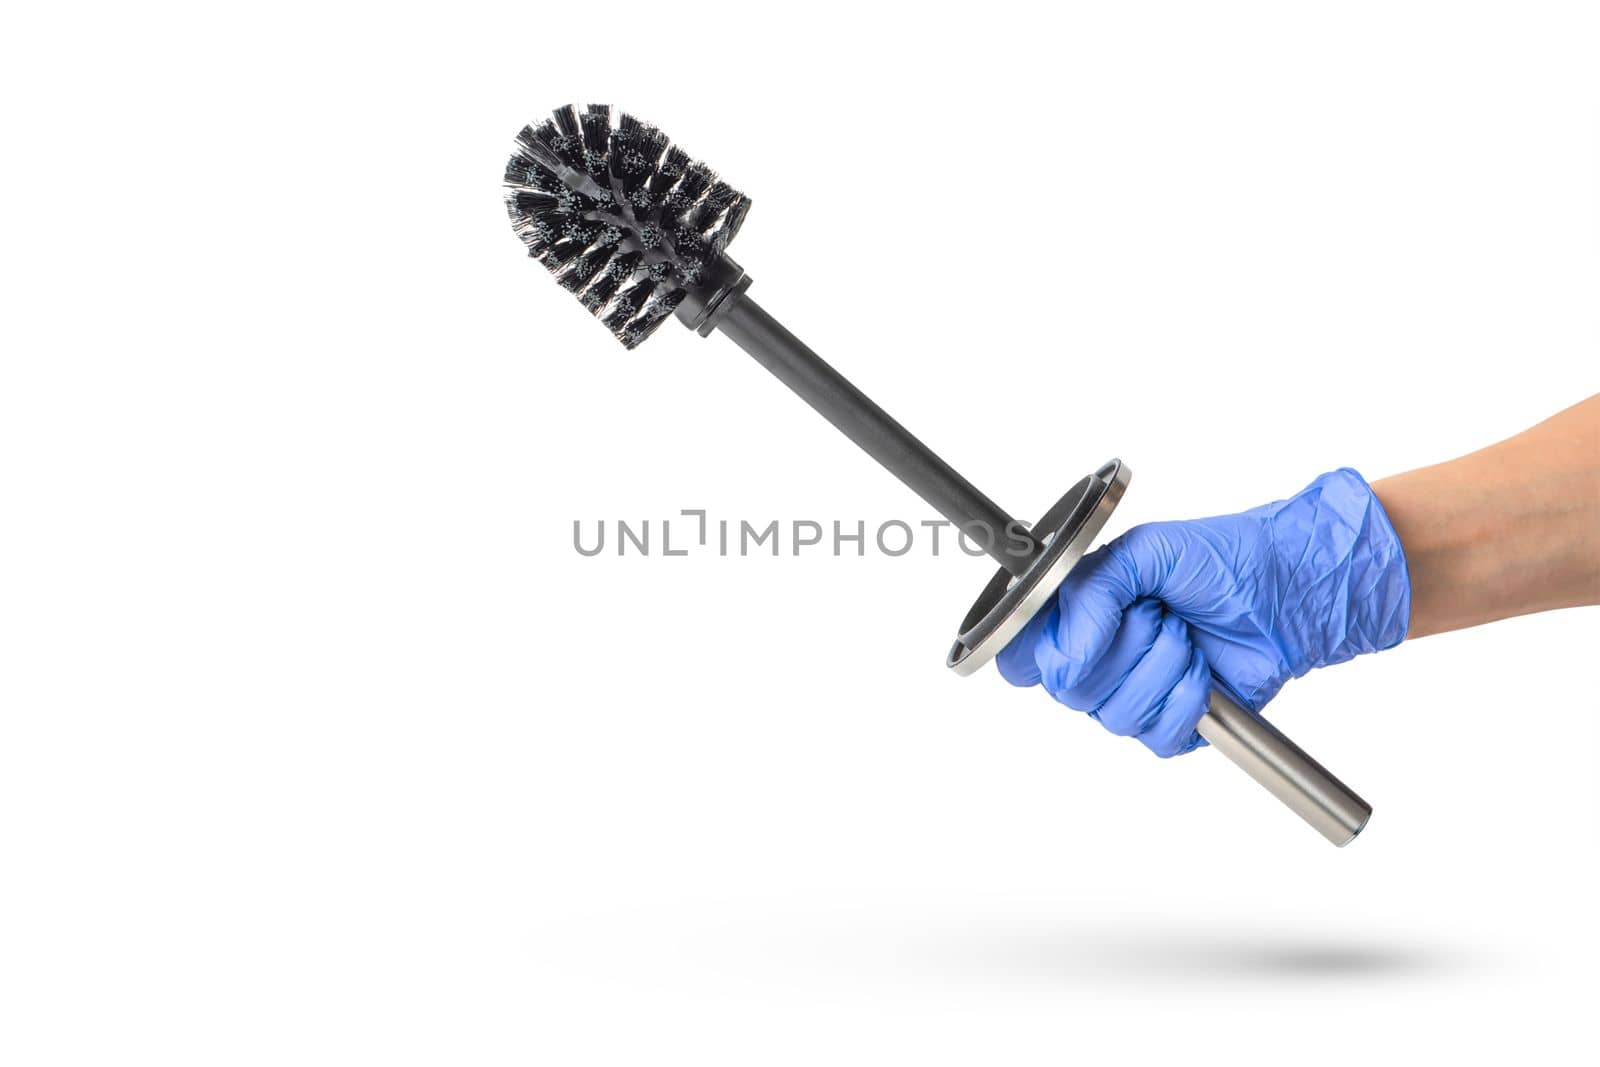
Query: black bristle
648,320
545,132
534,156
630,303
691,272
617,318
617,272
722,229
697,178
567,121
625,266
585,269
721,194
596,139
625,220
597,127
668,171
734,218
703,219
635,151
560,149
563,252
535,201
687,244
654,143
568,140
535,216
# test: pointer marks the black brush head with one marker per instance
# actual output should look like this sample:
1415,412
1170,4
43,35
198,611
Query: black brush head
625,220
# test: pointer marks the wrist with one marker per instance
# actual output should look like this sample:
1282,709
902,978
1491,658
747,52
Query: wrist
1505,531
1343,583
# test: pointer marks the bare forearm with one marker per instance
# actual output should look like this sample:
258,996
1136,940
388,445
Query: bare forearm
1509,530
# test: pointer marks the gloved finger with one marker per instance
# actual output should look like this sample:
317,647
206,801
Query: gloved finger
1249,675
1016,661
1088,687
1136,704
1173,732
1097,592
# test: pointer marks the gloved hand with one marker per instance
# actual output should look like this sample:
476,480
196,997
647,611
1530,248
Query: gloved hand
1143,627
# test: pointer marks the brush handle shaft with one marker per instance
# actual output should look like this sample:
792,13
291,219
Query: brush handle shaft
871,428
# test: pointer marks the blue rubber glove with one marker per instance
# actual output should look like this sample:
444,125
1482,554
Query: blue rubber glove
1145,626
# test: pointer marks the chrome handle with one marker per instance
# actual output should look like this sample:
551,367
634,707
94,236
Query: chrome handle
1303,784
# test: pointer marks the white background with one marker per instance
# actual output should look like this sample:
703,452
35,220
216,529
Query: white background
322,745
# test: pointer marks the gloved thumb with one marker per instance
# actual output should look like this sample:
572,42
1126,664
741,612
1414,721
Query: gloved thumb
1083,620
1016,662
1091,603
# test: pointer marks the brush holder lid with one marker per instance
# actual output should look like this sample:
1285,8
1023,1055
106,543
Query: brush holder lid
1067,531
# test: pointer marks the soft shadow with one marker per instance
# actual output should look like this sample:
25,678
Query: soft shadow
1128,952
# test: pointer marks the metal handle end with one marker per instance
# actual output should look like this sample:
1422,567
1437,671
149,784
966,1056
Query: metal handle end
1306,787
